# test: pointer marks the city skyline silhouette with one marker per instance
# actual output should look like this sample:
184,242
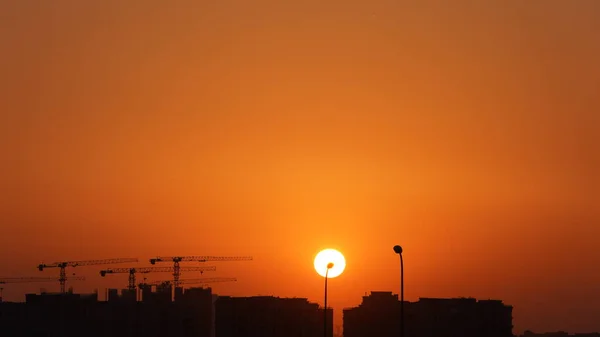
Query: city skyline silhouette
465,132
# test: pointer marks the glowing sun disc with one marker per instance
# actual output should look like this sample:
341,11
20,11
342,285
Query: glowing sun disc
327,256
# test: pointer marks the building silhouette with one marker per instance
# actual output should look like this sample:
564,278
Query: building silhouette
164,311
267,316
70,315
379,315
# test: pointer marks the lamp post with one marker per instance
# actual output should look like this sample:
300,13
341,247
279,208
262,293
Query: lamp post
329,266
398,250
329,263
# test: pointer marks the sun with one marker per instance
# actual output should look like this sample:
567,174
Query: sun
327,256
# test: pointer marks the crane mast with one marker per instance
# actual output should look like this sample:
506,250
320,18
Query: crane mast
145,270
63,266
195,258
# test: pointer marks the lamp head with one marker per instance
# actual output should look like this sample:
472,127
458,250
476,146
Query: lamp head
330,265
397,249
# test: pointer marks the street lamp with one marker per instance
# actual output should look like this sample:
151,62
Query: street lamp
329,266
329,263
398,250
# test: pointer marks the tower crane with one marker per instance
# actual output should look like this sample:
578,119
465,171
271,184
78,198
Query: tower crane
63,265
177,259
145,270
195,281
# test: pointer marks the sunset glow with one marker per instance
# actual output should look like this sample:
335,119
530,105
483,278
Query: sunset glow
327,256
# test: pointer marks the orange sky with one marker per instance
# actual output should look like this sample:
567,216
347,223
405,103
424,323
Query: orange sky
468,132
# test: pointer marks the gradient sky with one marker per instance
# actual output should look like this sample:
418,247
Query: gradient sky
467,131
